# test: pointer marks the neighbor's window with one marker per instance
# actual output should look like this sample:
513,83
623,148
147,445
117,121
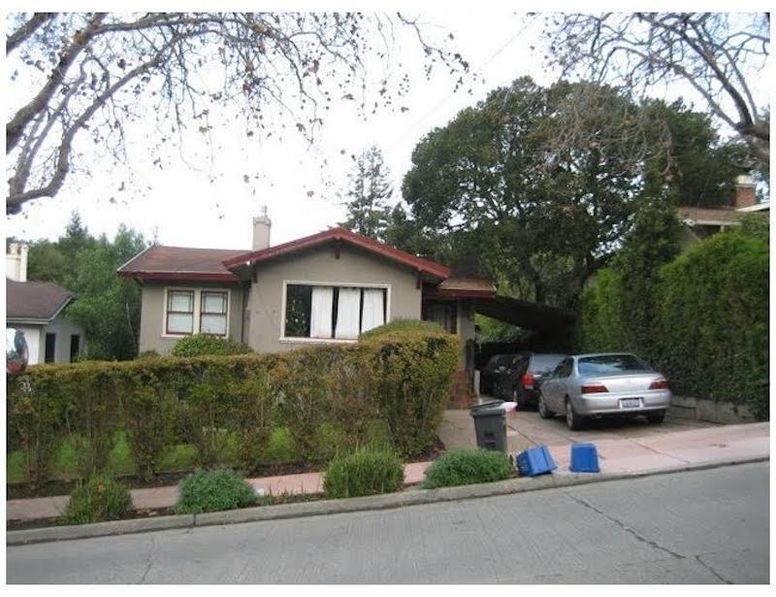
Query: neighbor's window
340,312
180,311
213,308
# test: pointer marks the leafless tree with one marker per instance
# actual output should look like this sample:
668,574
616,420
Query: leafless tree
720,55
81,74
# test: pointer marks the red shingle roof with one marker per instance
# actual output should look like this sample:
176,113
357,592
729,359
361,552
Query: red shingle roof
180,263
426,266
34,300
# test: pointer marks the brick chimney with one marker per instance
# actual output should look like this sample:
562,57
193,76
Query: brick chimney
16,262
261,228
745,195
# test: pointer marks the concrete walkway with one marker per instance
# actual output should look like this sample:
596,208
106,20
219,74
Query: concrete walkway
623,448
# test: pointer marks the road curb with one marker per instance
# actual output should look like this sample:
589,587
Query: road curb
410,497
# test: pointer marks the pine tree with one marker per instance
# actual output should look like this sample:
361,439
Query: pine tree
369,193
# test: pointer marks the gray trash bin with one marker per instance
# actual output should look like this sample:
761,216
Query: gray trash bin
490,426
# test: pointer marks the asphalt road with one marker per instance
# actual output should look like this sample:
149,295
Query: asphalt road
698,527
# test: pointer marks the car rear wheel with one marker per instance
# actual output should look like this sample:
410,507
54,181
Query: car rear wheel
544,412
656,417
573,420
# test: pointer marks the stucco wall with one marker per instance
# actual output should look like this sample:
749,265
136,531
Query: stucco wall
321,266
152,336
63,328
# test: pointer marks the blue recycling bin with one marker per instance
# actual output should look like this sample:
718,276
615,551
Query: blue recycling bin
535,461
584,458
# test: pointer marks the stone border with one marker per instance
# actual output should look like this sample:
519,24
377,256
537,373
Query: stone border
410,497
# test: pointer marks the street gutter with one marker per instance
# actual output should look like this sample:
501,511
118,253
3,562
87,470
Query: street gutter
410,497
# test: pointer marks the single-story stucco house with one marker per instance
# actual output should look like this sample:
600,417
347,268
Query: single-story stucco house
324,288
37,310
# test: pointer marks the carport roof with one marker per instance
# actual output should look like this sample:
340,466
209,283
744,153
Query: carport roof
527,315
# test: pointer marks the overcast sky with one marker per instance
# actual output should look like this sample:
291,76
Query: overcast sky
298,183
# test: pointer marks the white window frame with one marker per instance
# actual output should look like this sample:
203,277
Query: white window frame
197,309
293,339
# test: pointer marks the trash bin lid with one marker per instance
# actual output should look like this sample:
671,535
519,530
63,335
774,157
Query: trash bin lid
489,408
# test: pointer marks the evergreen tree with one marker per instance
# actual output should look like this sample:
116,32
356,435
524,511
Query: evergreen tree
369,193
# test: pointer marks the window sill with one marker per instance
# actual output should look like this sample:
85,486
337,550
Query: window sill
284,340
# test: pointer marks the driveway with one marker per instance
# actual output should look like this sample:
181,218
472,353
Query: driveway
527,428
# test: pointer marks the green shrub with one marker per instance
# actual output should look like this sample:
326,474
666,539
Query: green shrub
403,325
148,354
224,408
281,446
207,344
213,491
367,471
99,499
466,467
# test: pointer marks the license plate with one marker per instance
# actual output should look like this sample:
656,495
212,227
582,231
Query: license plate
630,403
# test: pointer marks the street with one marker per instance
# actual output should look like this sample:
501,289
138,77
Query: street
709,526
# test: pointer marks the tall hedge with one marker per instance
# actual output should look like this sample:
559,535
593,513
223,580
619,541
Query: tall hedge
712,328
709,327
398,378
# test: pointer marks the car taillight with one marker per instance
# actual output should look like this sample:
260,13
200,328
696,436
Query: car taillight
528,381
594,388
660,384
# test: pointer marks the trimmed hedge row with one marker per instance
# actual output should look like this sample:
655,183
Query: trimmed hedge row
397,379
709,334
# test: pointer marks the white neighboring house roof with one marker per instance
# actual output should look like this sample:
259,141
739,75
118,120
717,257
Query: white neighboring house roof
764,206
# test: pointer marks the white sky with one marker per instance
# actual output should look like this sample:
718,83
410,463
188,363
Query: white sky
183,208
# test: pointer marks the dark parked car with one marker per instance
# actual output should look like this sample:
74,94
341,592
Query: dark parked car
496,367
521,380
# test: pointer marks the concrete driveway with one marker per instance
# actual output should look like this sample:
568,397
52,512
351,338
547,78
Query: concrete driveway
527,428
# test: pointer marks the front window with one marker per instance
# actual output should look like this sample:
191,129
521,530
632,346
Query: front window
213,308
333,312
180,312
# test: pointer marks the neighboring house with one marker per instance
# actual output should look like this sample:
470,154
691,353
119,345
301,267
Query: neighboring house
702,222
36,308
324,288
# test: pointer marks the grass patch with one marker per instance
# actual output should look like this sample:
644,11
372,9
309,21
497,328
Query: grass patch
101,498
367,471
466,467
214,491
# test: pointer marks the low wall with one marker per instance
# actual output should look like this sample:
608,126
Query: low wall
708,410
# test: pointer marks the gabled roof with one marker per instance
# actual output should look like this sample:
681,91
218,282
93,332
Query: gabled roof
333,236
180,264
708,216
38,302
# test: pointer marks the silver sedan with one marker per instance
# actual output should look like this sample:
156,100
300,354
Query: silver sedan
596,385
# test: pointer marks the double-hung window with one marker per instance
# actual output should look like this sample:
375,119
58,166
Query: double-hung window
196,312
333,312
180,312
212,318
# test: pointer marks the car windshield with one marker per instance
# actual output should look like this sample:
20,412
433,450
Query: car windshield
544,363
611,363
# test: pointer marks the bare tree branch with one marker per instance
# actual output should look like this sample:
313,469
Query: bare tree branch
26,30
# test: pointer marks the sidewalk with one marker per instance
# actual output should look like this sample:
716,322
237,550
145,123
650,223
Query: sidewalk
645,449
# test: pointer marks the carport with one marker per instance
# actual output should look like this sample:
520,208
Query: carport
527,315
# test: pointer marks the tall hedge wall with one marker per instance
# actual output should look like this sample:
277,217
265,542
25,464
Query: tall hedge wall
400,379
710,329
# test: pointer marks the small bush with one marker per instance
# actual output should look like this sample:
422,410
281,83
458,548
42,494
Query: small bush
207,344
466,467
148,354
100,498
403,325
367,471
213,491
